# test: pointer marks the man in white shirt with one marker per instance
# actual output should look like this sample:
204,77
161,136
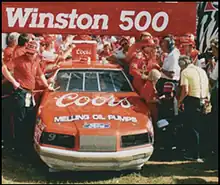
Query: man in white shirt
170,69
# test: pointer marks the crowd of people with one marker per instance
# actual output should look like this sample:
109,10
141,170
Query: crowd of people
155,66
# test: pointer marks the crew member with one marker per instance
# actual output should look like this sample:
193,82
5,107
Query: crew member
12,41
170,69
188,47
194,92
136,47
142,64
26,68
149,93
19,50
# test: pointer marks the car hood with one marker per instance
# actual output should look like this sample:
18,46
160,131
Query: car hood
71,112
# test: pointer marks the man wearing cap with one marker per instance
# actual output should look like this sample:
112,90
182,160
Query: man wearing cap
136,47
12,41
26,68
187,47
106,52
20,49
143,63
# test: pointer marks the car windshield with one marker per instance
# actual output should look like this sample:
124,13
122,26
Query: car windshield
83,80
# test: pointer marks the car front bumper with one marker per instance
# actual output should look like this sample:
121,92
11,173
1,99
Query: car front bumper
88,161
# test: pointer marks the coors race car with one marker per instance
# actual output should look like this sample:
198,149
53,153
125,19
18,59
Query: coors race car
93,121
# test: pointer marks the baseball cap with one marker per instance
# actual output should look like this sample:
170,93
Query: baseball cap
148,43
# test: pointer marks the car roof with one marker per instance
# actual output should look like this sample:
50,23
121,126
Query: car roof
84,65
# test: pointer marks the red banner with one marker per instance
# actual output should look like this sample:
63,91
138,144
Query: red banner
106,18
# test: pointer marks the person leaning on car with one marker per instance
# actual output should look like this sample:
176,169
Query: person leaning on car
194,86
26,68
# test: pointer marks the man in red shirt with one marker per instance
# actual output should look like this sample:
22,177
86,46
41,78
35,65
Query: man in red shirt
187,47
8,52
26,68
137,46
106,52
22,43
143,63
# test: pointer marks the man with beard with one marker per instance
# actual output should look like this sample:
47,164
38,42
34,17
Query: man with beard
143,63
26,68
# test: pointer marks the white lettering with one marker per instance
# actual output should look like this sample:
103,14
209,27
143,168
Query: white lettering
97,19
83,52
18,16
34,18
72,17
72,118
43,16
61,19
139,17
80,20
84,21
73,98
129,23
165,21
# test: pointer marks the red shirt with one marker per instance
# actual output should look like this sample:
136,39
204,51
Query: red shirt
18,51
136,66
26,71
8,56
149,93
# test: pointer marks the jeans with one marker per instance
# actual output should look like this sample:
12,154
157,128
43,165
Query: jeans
23,121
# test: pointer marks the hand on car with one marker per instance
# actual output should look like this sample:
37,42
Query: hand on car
50,87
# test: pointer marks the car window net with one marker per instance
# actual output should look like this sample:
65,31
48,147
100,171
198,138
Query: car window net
91,81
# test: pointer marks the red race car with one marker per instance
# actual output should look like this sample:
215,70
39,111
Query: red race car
93,121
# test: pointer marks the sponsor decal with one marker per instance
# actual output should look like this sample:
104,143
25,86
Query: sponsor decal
83,51
96,125
75,99
99,18
66,119
76,21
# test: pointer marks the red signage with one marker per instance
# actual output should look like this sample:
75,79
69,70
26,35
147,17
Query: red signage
84,49
106,18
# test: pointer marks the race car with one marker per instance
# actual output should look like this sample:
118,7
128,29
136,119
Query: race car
94,120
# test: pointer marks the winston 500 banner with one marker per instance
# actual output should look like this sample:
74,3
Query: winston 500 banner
109,18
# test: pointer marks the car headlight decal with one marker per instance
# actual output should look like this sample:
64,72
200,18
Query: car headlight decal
55,139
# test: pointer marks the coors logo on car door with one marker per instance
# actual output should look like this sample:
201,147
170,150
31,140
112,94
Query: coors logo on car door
207,28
